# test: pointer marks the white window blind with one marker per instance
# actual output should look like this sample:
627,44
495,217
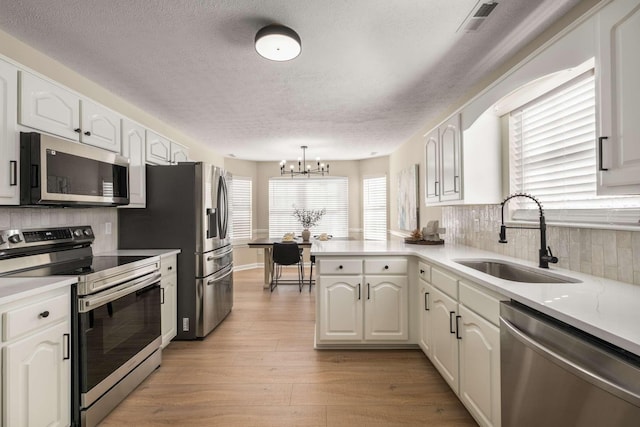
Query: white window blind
286,194
374,208
241,225
553,153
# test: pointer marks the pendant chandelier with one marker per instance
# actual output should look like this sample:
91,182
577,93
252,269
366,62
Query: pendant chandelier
304,169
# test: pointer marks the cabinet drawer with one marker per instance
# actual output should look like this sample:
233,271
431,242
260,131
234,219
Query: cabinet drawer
484,302
340,266
168,265
424,271
445,282
385,266
37,315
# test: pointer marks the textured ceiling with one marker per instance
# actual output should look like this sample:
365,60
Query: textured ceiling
370,75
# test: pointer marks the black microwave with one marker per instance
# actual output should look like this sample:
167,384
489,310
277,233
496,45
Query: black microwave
57,172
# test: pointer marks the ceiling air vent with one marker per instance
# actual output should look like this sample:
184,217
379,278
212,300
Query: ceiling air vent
477,17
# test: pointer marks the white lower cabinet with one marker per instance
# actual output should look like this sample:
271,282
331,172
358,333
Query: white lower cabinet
479,367
444,345
461,337
340,303
36,362
362,308
169,289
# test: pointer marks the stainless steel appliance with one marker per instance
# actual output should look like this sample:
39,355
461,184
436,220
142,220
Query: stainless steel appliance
555,375
57,172
116,312
187,208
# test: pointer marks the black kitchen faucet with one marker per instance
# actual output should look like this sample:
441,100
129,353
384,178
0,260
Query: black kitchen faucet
544,254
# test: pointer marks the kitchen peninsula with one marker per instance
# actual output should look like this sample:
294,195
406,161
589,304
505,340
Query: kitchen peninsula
388,294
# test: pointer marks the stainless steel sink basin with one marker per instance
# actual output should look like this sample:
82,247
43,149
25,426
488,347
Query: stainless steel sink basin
513,272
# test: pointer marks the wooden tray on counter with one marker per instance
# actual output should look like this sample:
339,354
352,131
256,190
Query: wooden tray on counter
424,242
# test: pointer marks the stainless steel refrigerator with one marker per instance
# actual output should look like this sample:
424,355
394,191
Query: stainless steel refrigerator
188,209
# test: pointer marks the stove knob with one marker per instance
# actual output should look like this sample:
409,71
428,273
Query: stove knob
77,233
15,238
88,232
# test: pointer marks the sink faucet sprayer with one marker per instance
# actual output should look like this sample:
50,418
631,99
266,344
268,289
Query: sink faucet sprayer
545,256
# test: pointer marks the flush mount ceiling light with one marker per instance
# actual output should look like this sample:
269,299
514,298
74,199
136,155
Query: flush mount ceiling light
278,43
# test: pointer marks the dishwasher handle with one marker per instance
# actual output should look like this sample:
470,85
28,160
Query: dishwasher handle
576,369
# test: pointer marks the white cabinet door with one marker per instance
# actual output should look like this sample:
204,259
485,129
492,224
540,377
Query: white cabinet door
9,136
426,320
38,379
100,126
443,162
432,171
169,287
158,149
47,107
479,367
618,80
444,349
450,159
341,308
179,153
386,313
133,147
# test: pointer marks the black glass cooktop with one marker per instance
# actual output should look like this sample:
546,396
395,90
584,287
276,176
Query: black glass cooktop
80,267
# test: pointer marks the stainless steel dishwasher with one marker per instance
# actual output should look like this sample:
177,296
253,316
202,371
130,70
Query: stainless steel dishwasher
555,375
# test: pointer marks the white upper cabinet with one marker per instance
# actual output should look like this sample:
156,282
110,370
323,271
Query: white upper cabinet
464,166
9,137
100,126
133,147
450,166
48,107
443,162
618,91
158,149
432,171
179,153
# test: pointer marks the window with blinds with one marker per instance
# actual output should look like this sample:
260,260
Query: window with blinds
374,208
553,155
286,194
241,226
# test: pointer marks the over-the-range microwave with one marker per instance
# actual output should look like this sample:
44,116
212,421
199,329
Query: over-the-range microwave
57,172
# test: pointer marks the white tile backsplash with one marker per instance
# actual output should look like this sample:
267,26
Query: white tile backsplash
605,253
23,218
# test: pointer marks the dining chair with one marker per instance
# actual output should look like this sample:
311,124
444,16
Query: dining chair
286,254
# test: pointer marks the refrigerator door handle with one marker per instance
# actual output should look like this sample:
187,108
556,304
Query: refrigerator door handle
222,207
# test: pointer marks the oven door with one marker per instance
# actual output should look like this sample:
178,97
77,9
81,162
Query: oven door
118,329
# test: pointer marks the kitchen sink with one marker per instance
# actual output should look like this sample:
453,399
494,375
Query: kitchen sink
514,272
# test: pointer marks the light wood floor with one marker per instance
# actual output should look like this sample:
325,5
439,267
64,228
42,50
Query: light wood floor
259,368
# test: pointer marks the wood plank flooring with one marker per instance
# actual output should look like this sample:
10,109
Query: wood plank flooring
259,368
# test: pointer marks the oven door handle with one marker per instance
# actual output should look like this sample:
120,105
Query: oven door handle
92,302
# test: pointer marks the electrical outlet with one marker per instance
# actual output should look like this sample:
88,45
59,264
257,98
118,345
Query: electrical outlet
185,324
476,225
107,228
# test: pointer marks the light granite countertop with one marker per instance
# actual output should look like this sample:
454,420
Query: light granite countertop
142,252
15,288
607,309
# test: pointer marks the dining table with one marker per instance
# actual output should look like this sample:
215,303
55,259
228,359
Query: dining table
266,243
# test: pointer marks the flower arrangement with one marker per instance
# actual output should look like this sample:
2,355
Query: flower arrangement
309,217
